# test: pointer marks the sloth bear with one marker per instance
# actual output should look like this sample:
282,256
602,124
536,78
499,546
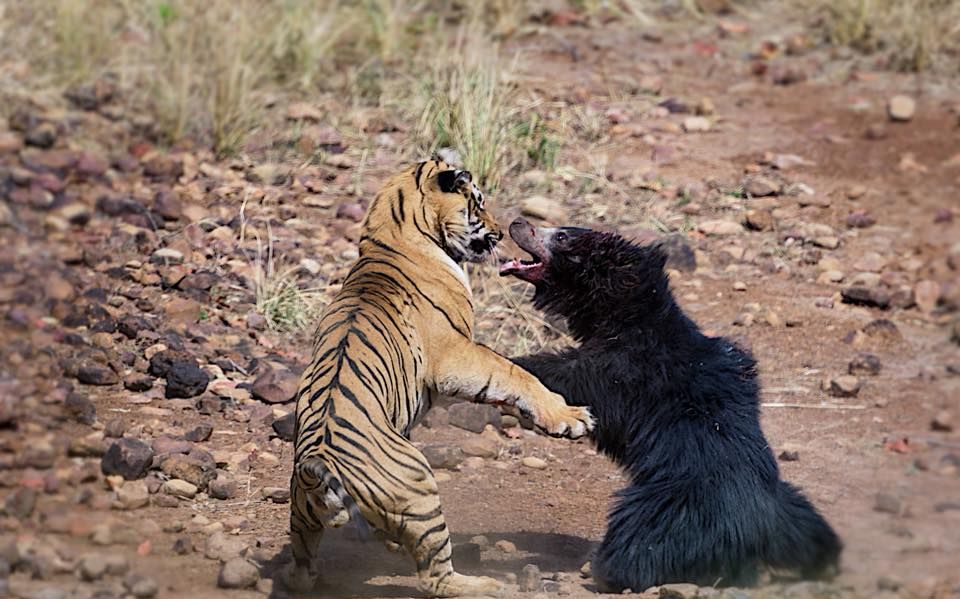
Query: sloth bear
677,410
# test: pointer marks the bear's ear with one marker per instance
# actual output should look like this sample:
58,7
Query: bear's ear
453,181
658,256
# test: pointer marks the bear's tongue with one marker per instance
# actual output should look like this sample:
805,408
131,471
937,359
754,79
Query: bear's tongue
522,269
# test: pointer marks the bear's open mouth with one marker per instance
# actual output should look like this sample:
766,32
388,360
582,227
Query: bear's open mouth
517,266
530,240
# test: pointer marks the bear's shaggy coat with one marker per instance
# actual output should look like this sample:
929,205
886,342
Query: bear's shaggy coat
678,411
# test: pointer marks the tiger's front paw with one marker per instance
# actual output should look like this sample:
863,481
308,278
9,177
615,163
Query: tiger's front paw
565,421
298,579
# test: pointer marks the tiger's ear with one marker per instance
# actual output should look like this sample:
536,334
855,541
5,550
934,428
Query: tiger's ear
454,181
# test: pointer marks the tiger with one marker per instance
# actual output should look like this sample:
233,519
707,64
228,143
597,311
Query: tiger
398,334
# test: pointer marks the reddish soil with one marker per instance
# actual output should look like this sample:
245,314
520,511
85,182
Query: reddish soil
556,515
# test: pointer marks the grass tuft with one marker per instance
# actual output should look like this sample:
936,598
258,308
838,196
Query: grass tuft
520,329
202,69
280,299
916,35
468,103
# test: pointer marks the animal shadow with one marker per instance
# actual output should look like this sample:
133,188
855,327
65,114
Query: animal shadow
351,566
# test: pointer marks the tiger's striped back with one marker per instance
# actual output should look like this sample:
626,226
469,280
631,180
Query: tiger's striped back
369,379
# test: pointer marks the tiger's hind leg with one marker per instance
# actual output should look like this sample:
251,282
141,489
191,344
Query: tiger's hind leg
421,529
391,545
301,575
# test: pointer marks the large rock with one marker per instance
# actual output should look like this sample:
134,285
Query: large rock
473,417
132,495
167,204
483,446
81,408
184,378
927,294
180,488
223,547
276,494
758,220
901,108
846,385
285,427
679,253
238,573
720,228
298,111
90,96
164,445
223,487
191,469
20,503
544,208
10,142
876,297
865,363
696,124
534,462
131,326
529,578
43,135
275,386
199,433
443,456
92,567
97,374
129,458
760,186
141,587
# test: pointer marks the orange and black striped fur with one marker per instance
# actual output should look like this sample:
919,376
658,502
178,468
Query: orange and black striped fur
399,332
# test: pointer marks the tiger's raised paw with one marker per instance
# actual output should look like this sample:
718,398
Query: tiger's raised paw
457,585
566,421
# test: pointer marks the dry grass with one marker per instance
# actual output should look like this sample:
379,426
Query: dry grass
389,25
642,12
205,70
917,35
201,68
284,303
467,100
281,300
507,321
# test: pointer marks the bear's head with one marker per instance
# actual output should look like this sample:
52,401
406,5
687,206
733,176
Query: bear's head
594,279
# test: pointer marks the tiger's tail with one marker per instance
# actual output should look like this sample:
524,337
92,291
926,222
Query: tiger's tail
316,468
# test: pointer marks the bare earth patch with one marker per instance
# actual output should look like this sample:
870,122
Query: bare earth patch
128,288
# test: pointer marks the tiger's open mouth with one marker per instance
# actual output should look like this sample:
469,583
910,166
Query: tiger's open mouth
530,240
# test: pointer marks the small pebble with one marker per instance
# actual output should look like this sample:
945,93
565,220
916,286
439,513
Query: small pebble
887,503
506,546
534,462
529,578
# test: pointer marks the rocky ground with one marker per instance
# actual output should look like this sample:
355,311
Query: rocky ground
812,207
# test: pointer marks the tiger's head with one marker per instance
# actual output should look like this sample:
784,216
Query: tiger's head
436,203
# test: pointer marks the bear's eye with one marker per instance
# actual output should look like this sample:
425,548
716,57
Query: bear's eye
561,236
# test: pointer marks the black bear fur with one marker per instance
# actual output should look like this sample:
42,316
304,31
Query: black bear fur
678,411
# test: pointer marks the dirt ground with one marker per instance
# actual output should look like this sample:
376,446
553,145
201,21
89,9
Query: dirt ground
883,463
